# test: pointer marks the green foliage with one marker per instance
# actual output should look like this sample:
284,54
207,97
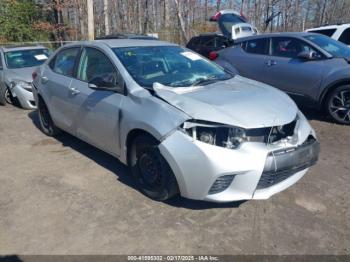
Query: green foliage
17,21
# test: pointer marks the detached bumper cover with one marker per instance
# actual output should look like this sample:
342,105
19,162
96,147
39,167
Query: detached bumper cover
258,173
25,97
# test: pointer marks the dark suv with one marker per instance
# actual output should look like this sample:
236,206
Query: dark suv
206,43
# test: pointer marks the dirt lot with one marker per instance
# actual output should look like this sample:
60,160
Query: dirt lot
62,196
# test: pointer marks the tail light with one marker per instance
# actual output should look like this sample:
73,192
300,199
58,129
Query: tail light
34,75
215,17
213,55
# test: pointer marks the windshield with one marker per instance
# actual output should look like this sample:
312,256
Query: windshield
172,66
332,46
26,58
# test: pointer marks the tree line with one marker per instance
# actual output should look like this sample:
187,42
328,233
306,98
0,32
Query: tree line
173,20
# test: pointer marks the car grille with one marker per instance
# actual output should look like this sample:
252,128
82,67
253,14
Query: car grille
282,164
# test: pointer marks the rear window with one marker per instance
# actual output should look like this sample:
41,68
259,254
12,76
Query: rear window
327,32
194,41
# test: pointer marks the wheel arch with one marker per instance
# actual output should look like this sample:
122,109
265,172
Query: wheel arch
132,134
330,88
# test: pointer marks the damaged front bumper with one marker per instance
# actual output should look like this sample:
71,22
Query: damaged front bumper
24,97
253,171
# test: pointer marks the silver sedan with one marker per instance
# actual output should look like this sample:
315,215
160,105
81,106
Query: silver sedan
16,67
182,124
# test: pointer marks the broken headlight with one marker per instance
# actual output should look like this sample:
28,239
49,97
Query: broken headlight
23,84
215,134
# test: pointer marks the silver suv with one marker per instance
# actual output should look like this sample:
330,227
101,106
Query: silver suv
16,67
182,123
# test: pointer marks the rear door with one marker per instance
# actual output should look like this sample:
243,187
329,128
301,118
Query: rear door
284,70
249,58
97,111
56,80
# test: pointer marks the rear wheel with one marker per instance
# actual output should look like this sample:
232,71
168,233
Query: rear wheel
338,105
46,123
150,170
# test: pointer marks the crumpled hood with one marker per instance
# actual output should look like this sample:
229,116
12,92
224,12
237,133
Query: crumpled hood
24,74
239,102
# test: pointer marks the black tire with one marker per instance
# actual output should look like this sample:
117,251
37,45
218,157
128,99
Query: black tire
150,170
47,125
338,105
3,91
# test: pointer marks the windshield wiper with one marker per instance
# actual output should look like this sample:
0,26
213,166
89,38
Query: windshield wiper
207,80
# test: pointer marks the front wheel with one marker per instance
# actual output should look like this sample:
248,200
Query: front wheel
338,105
8,96
150,170
46,123
5,96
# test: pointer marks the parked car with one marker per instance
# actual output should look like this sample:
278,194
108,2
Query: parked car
339,32
180,122
233,25
16,67
312,68
204,44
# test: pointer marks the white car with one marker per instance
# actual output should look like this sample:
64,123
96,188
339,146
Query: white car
339,32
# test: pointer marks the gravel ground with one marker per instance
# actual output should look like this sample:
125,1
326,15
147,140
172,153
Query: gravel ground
63,196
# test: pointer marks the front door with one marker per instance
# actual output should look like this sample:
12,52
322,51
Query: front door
97,118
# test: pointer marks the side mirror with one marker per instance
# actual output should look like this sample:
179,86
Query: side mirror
308,55
107,82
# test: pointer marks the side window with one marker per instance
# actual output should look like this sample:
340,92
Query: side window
1,66
327,32
95,67
256,46
289,47
64,61
345,37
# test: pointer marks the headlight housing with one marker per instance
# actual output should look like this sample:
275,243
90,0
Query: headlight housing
23,84
215,134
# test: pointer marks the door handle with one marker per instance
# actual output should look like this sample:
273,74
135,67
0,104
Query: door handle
44,79
74,91
271,62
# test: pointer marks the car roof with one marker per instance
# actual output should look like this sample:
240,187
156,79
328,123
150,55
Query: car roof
210,34
335,26
287,34
21,48
115,43
126,36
